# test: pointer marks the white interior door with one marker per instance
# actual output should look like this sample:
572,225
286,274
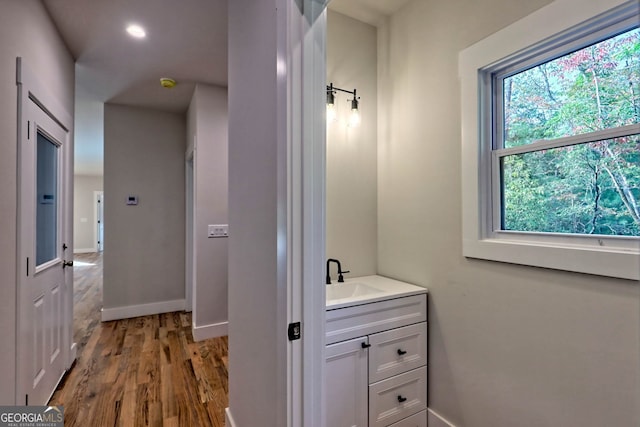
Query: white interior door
43,285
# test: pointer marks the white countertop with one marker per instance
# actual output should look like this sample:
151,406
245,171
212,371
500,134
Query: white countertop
384,288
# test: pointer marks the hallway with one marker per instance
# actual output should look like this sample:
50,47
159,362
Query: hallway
145,371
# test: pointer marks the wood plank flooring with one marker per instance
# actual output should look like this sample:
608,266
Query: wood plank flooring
145,371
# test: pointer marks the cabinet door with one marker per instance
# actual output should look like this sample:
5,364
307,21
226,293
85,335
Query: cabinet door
346,384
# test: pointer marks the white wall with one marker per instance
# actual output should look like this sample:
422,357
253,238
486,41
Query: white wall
84,226
508,345
89,133
352,151
144,255
207,124
257,331
26,31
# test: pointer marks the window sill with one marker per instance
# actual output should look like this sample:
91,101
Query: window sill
610,262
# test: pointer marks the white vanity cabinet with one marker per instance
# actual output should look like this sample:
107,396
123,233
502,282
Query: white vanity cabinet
376,363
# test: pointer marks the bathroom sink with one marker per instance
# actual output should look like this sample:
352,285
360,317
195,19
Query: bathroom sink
365,290
350,290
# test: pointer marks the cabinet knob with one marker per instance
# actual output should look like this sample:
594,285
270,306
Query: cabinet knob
365,345
401,399
401,352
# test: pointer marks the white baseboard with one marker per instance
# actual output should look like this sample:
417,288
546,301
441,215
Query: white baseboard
210,331
84,251
436,420
129,311
228,419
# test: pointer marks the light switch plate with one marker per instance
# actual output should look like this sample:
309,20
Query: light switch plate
218,230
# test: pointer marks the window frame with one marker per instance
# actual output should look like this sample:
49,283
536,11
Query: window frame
554,30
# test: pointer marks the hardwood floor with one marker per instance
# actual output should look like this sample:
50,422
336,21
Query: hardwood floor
145,371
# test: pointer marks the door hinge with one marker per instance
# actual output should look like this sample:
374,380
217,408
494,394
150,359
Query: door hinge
294,331
27,266
26,400
28,129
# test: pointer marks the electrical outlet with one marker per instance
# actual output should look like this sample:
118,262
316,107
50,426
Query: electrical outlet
218,230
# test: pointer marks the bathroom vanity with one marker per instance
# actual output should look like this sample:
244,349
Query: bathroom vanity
376,354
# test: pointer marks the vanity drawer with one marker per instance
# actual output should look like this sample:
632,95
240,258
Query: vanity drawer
351,322
398,397
396,351
417,420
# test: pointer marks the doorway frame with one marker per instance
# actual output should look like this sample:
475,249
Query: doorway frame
307,201
190,221
297,134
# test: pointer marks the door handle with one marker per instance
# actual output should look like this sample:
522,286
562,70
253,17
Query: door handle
67,264
401,399
401,352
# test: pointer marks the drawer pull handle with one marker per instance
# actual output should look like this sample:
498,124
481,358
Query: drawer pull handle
401,352
365,345
401,399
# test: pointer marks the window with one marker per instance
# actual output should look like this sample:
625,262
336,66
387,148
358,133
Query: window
551,150
565,149
47,205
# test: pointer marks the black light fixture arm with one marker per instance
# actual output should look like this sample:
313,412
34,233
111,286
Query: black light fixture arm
331,88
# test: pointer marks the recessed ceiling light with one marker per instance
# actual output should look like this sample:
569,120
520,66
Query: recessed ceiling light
136,31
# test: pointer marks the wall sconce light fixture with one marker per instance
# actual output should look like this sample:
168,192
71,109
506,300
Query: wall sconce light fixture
354,119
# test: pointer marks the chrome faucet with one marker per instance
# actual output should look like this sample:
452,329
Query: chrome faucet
340,272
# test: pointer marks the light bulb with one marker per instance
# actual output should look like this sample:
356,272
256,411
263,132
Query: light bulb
354,119
331,113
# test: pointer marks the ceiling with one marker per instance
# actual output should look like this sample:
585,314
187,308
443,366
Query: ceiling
369,11
186,40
